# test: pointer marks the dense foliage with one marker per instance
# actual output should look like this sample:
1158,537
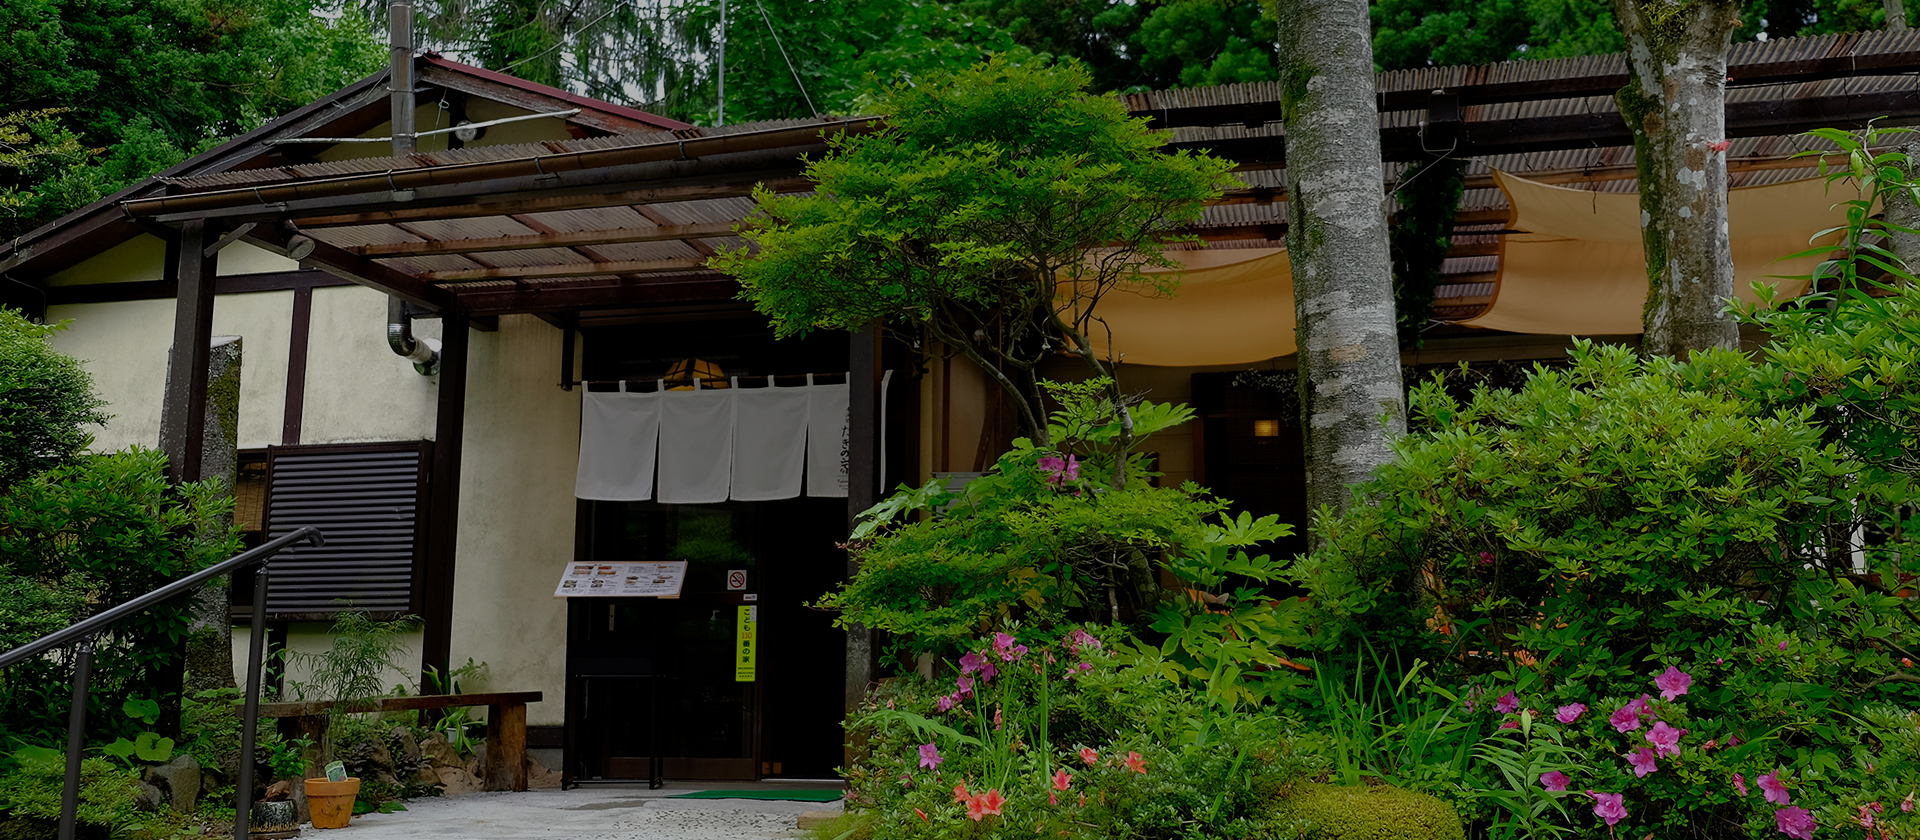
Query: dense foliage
82,532
46,399
1060,733
96,95
993,211
1571,539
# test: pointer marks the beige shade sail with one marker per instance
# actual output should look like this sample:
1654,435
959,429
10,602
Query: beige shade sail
1580,267
1233,306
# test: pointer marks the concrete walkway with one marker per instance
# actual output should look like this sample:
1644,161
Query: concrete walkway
588,813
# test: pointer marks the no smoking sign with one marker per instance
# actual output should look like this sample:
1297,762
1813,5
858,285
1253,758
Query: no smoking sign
736,580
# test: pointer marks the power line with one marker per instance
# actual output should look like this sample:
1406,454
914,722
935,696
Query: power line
783,55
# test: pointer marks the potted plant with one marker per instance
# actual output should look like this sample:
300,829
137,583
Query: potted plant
349,673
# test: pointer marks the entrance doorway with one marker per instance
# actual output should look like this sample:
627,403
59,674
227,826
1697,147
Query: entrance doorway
652,678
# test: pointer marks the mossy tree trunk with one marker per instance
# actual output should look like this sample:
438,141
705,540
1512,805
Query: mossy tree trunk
1337,241
1675,105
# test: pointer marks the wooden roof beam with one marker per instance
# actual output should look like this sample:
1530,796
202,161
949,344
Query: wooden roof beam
358,269
543,240
1862,54
702,288
781,181
1593,129
516,272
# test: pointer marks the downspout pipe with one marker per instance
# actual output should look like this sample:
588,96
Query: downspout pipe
424,353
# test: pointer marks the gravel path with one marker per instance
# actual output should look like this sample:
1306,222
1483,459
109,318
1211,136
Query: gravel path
592,813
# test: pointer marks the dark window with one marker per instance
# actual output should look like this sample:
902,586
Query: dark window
370,503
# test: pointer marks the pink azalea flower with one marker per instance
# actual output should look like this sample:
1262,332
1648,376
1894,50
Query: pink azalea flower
1643,762
1664,738
1783,645
972,663
1740,784
1060,471
1866,818
1570,712
1079,640
1906,805
1062,779
960,793
1626,719
963,687
1673,683
1609,806
1089,756
1003,645
1795,823
929,756
1642,705
1555,780
1733,740
1512,724
1508,704
1776,789
945,703
1135,764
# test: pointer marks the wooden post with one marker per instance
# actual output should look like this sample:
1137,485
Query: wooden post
443,525
183,415
863,482
506,747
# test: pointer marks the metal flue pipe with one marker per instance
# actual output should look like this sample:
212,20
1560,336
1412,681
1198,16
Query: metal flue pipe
400,74
424,353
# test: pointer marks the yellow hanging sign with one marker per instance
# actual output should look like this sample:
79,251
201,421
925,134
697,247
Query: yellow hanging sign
746,638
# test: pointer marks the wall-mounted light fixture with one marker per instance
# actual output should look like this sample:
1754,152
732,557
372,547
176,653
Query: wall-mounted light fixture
1266,428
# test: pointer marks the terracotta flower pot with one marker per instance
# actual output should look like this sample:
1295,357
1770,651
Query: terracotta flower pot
331,803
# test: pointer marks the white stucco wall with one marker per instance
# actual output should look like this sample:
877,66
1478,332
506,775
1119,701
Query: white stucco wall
521,442
311,637
124,345
517,512
357,389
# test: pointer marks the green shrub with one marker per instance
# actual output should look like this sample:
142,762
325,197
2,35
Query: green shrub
1572,538
30,795
46,397
1328,812
1053,535
1079,738
107,528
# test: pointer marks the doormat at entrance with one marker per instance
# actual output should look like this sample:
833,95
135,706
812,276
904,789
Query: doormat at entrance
815,795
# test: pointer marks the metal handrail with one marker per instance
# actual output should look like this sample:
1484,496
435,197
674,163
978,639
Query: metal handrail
84,631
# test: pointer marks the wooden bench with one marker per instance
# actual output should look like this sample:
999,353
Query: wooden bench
506,760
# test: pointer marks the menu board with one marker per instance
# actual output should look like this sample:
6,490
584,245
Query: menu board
622,580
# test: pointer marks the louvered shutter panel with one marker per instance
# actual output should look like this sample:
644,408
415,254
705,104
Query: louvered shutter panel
369,501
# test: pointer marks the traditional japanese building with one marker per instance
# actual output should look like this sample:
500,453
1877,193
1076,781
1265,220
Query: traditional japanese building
480,348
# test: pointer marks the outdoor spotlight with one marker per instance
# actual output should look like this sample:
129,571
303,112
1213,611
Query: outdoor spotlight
467,131
299,245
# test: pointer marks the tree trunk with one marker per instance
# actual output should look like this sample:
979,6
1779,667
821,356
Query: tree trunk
1902,211
1675,105
1337,241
